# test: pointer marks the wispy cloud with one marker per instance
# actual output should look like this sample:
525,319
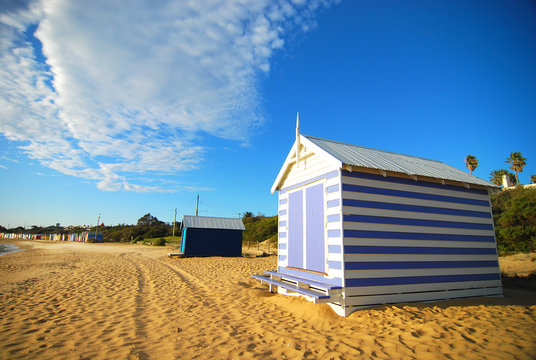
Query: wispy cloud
130,88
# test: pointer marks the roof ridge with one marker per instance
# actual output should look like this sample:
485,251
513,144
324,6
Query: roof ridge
369,148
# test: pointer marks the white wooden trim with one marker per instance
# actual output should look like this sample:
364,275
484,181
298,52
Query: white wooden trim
427,296
350,225
362,274
393,289
349,241
413,188
409,201
417,257
352,210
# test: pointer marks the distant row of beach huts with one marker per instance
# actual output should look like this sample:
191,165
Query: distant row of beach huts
85,236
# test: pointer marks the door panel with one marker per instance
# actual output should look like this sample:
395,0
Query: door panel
295,229
314,223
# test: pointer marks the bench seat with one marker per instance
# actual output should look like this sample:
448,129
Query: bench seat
317,295
313,283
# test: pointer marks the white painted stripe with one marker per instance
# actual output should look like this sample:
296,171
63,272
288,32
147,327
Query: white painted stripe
333,211
333,225
419,243
351,210
349,225
389,289
427,296
335,257
359,274
335,273
413,188
416,257
408,201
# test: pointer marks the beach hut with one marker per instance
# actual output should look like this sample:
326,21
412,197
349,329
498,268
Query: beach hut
211,236
361,227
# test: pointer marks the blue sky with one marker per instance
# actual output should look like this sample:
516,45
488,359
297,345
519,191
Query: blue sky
122,110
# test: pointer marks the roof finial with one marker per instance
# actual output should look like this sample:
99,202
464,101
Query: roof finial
297,139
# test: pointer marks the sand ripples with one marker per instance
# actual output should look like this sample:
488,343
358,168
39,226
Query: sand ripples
83,301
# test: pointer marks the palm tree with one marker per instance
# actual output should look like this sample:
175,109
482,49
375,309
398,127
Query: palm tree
533,179
471,162
517,162
496,176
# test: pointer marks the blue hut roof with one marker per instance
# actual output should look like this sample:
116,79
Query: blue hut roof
206,222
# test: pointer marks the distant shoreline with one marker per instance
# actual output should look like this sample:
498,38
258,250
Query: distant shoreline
9,249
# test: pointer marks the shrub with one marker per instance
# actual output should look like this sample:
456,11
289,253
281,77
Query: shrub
514,216
159,242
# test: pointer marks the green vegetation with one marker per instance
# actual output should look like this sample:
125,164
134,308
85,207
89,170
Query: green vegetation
471,162
259,228
517,162
496,177
514,215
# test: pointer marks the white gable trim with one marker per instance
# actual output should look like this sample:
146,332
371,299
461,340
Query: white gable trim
291,158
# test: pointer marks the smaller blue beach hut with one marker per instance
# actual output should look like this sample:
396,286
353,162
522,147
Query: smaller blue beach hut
211,236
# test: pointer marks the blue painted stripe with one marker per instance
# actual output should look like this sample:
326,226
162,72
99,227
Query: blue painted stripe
368,234
406,280
282,257
328,175
282,235
282,246
412,182
415,222
412,195
351,249
386,265
282,223
414,208
283,212
333,203
332,188
334,218
335,265
334,249
334,233
282,201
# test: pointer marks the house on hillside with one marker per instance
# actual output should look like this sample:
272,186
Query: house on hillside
361,227
211,236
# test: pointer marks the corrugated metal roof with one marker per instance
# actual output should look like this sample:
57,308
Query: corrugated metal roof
355,155
205,222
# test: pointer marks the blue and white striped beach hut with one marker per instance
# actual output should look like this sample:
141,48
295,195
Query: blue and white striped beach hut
361,227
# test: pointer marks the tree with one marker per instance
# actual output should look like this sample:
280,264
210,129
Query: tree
496,176
471,162
533,179
517,162
148,220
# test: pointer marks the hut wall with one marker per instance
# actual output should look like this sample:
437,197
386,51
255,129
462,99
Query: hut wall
311,173
212,242
407,240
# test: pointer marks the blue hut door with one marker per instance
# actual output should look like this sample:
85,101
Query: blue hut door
314,222
306,245
183,239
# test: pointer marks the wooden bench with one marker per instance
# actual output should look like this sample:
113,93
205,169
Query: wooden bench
317,295
312,283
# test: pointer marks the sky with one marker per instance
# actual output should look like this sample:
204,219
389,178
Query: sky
113,110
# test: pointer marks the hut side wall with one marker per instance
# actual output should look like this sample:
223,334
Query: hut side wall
407,240
212,242
314,170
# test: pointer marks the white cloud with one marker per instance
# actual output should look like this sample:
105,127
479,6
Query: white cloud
128,87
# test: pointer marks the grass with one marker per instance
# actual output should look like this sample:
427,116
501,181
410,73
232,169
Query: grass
174,240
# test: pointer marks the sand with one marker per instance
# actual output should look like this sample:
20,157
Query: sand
111,301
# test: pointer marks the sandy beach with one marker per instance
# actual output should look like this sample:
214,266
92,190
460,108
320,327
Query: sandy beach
113,301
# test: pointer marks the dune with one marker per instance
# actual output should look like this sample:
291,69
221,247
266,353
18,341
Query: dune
115,301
